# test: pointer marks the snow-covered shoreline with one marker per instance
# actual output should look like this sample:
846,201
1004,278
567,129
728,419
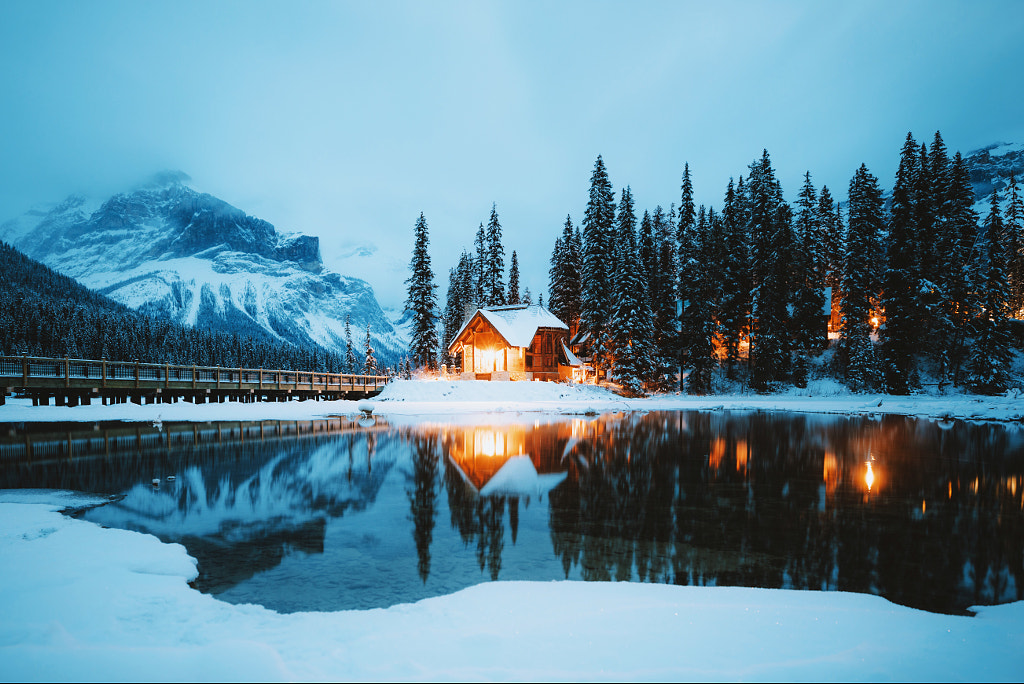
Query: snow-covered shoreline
81,602
432,398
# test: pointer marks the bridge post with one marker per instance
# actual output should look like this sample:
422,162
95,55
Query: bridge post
24,369
67,371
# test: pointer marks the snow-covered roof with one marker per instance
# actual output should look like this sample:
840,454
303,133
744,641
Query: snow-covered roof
570,357
517,323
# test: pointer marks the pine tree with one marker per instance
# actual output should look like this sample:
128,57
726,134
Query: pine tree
631,325
460,299
770,230
862,278
734,311
527,297
700,317
480,268
961,227
662,298
901,334
686,245
370,365
495,271
1013,245
350,354
809,286
422,302
513,280
833,242
990,353
595,283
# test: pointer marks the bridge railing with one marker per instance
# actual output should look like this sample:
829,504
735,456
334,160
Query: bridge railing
30,371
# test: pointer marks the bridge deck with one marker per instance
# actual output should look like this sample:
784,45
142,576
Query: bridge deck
78,380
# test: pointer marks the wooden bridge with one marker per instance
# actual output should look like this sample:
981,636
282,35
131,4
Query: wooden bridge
70,382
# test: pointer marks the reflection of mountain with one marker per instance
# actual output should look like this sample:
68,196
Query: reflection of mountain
239,516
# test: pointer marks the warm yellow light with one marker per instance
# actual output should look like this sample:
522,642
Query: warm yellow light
869,477
874,321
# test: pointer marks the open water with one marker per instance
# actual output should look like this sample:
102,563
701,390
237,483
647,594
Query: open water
342,514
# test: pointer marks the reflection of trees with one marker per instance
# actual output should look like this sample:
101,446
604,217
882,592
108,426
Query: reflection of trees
423,499
477,518
771,500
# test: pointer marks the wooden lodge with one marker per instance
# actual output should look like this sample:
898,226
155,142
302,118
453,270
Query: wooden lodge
517,342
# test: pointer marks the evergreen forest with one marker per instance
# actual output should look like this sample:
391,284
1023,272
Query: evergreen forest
884,292
44,313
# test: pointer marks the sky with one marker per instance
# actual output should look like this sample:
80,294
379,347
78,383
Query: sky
346,120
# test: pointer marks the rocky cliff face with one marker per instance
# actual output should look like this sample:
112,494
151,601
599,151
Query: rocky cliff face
169,250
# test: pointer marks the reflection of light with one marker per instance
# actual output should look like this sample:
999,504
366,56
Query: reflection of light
874,321
923,507
830,473
742,455
869,477
716,453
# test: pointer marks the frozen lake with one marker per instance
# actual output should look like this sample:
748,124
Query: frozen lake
338,514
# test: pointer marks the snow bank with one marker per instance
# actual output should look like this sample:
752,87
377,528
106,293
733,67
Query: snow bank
81,602
452,399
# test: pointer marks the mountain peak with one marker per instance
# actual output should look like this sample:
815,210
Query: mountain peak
165,179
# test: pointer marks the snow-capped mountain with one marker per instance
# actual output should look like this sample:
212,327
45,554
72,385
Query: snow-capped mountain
168,250
990,169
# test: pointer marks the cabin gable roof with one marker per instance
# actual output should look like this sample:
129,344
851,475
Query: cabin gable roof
516,324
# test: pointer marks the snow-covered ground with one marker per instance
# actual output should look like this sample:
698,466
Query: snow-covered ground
410,399
82,602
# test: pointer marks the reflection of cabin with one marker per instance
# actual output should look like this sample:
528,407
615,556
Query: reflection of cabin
519,342
491,458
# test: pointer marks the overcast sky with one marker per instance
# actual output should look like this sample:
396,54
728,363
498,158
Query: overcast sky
346,120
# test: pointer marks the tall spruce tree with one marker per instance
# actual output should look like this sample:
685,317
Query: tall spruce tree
990,353
564,274
809,334
901,288
631,326
1013,245
861,283
595,290
662,298
686,246
480,267
513,280
700,318
460,298
833,240
422,302
350,354
370,364
961,226
495,271
735,304
770,230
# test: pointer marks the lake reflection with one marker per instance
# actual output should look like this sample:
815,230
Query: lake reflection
327,515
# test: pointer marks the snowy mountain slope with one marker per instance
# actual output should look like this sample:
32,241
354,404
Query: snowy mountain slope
990,169
169,250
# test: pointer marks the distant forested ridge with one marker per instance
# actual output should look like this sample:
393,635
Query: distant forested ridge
45,313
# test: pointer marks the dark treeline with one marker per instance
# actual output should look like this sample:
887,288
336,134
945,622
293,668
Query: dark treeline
44,313
922,287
